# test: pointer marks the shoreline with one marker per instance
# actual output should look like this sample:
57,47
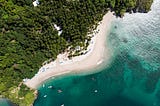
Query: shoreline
96,55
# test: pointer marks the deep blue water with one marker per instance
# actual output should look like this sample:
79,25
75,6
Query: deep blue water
133,77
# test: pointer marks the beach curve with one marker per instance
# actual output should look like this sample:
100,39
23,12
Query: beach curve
79,63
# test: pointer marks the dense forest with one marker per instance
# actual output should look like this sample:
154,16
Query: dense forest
28,37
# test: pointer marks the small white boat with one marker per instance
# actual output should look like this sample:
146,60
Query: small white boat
95,91
62,105
43,85
60,91
45,96
49,86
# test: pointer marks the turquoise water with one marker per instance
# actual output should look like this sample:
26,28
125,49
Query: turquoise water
119,85
133,77
4,102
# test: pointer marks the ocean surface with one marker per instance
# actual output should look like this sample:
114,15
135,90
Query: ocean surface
132,78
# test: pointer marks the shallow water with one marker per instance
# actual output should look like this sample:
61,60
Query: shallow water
133,77
5,102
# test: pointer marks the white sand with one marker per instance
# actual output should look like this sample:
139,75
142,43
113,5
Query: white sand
97,49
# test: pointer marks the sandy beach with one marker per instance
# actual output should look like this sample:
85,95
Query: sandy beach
97,52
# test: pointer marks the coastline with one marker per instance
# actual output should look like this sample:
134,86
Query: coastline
97,53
